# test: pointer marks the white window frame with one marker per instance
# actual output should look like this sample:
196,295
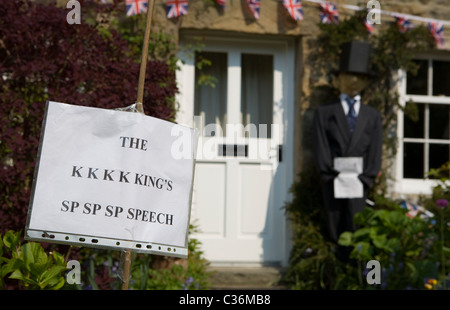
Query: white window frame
407,186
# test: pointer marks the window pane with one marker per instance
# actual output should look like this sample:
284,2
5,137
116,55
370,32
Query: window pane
413,161
257,92
439,116
413,125
439,155
211,92
441,78
417,84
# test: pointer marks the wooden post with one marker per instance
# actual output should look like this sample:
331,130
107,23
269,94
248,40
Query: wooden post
126,263
140,91
140,109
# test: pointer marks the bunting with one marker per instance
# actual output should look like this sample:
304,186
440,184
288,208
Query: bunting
254,6
403,23
176,8
222,3
369,26
329,13
437,30
294,7
135,7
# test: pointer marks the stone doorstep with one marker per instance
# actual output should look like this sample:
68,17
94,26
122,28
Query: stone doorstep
263,278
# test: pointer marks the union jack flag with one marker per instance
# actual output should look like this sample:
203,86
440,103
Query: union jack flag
414,210
437,30
329,13
254,6
294,8
221,3
135,7
368,25
176,8
403,24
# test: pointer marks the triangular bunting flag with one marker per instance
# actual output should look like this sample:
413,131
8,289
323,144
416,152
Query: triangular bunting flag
437,30
254,6
368,25
294,7
176,8
403,23
135,7
329,13
222,3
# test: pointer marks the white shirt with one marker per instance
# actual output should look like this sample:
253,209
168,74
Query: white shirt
345,104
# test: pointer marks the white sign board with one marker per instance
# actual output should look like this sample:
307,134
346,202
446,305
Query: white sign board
347,184
115,179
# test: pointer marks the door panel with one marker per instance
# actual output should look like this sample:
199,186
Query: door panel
255,202
209,198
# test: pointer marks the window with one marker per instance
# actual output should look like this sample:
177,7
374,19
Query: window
426,140
255,104
257,90
211,98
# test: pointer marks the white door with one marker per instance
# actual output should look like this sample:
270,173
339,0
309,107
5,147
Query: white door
244,155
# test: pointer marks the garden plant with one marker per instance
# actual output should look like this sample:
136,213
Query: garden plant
95,63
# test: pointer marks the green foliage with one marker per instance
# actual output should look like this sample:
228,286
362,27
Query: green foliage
29,264
102,270
74,64
398,242
413,252
312,261
162,46
177,274
438,205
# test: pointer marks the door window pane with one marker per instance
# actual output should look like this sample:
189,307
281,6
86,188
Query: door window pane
211,97
439,116
413,161
257,92
417,84
413,125
441,78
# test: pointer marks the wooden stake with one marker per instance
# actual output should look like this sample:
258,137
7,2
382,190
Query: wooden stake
140,92
126,262
140,108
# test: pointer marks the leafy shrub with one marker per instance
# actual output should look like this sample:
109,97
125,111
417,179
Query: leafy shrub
413,252
438,205
43,58
29,264
312,261
401,244
101,270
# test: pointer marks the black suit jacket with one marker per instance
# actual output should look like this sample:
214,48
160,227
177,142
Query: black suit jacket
332,138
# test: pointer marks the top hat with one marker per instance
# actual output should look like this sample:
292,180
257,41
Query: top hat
355,58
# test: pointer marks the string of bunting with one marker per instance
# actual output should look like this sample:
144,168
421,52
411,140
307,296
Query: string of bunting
328,14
